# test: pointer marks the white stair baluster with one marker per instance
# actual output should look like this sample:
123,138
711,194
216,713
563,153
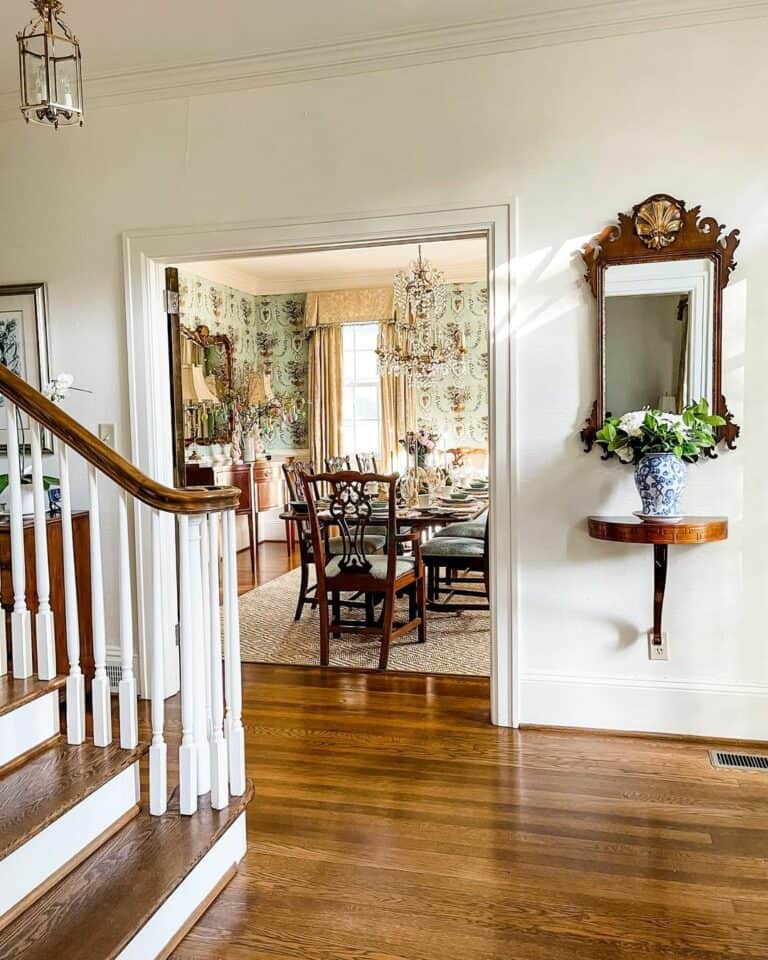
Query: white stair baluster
187,750
44,631
75,680
158,751
102,708
202,651
129,723
21,623
235,732
219,776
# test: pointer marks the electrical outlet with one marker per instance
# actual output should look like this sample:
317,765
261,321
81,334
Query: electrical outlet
107,434
658,651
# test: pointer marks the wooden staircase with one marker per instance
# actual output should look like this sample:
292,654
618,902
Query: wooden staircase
101,855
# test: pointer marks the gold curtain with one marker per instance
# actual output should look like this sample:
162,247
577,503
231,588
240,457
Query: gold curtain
332,308
398,406
325,379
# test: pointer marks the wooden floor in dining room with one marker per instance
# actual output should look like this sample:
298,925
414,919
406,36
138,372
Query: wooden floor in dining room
392,822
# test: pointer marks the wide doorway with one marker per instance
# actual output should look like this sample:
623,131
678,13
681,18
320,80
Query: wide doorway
366,359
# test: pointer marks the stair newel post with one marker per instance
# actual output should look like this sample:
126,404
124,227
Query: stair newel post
21,623
203,668
75,680
129,724
44,633
219,773
158,752
188,749
235,732
102,708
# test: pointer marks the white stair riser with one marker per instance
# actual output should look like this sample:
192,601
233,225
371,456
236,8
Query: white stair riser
194,890
63,842
28,725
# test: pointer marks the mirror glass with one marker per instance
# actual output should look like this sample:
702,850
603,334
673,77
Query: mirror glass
658,335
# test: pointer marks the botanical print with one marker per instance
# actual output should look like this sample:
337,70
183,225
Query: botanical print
11,343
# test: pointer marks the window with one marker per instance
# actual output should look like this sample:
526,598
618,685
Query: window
361,404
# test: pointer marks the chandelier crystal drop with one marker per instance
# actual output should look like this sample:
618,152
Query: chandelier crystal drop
50,68
414,346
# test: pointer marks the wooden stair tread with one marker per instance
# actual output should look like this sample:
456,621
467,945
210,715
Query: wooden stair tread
15,693
34,795
124,883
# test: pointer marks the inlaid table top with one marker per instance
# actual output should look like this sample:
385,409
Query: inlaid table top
635,530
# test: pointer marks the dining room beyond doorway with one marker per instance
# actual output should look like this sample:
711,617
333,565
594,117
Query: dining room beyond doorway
345,392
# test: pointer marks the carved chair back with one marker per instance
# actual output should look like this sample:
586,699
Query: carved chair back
366,462
334,464
350,509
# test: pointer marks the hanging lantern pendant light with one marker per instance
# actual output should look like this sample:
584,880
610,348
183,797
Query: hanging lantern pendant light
50,68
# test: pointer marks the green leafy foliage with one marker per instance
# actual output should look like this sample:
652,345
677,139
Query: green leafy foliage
635,434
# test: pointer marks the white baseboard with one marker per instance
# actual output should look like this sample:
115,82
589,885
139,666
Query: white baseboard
28,725
174,914
59,844
692,708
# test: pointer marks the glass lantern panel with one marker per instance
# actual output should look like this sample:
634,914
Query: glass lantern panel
65,87
34,70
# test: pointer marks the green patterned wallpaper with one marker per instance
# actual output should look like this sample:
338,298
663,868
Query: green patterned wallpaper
267,329
270,329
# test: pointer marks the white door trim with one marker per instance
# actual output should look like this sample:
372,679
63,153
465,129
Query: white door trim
146,251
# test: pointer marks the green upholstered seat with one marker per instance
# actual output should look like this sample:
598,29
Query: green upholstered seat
441,547
373,544
378,567
474,529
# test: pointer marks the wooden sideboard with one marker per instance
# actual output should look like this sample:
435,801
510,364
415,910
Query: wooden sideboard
81,532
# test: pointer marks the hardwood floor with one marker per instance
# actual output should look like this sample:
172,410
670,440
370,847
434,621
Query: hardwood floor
272,561
392,822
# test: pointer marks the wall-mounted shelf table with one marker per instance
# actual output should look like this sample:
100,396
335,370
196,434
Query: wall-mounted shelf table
690,530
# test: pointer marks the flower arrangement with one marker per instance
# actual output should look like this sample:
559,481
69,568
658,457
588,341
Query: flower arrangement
635,434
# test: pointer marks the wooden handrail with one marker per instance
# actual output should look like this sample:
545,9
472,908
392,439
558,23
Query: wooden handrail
189,500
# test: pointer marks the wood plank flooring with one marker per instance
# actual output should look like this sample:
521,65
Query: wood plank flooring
272,561
392,822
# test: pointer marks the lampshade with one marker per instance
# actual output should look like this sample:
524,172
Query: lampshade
259,389
194,389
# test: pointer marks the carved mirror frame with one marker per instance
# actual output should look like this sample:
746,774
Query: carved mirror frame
203,337
661,228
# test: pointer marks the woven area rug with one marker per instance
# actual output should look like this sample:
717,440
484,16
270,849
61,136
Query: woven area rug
456,642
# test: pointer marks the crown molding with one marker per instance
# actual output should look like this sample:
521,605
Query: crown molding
610,18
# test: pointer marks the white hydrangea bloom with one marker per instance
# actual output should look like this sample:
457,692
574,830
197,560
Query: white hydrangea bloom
632,422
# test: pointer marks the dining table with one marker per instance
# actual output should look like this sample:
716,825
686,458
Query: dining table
432,517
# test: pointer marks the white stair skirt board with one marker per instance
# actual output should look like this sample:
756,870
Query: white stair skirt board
28,867
174,916
28,725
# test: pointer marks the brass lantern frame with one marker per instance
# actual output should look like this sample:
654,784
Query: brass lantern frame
50,32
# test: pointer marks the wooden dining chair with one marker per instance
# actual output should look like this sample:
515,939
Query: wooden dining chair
334,464
460,558
366,462
356,570
294,474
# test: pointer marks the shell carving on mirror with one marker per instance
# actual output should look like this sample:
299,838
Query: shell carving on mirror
657,222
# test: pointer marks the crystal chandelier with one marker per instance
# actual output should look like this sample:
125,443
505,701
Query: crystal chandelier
416,348
50,68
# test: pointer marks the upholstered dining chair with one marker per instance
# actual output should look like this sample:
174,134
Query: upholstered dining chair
356,570
474,529
295,479
334,464
366,462
460,557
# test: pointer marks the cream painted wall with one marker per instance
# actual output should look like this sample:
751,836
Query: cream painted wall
575,136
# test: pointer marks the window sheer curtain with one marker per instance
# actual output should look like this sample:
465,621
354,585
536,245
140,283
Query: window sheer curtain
398,406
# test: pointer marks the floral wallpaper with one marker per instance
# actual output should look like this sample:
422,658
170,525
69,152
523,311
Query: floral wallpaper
458,405
270,331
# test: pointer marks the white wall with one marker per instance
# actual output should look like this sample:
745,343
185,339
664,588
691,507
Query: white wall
575,133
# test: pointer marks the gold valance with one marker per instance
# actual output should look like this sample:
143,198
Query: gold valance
332,308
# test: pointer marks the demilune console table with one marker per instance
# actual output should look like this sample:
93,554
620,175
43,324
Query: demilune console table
689,530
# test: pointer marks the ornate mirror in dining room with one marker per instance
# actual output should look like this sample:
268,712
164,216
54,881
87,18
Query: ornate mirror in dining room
206,383
658,277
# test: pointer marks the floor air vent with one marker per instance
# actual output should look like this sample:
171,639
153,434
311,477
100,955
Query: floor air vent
738,761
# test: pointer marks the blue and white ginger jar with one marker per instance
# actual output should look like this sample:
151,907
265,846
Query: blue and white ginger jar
661,479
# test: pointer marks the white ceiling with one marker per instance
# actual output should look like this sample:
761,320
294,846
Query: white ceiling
146,34
462,261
